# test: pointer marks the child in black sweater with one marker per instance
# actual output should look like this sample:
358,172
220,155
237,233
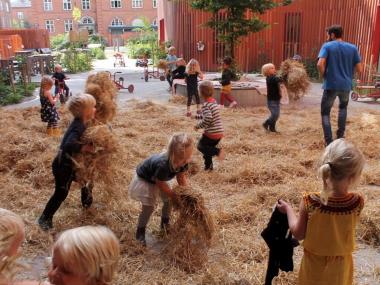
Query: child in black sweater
82,106
193,72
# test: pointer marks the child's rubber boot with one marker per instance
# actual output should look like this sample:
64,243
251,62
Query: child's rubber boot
272,128
45,223
140,235
50,132
86,195
266,126
165,224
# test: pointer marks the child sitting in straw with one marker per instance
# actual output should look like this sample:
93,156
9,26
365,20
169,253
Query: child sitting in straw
193,71
85,256
49,112
151,180
82,106
12,234
273,96
225,92
212,125
328,219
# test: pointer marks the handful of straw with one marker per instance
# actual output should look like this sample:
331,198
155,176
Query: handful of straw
296,79
192,233
162,64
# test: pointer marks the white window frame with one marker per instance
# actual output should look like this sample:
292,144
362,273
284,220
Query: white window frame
20,15
137,4
119,21
68,25
49,25
48,5
67,5
113,4
154,3
6,7
86,4
87,22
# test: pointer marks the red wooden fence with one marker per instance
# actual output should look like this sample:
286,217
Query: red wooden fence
31,38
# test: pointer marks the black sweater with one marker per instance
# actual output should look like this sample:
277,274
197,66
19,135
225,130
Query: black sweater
273,88
226,77
179,72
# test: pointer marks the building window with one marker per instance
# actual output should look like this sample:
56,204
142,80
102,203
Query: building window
137,23
87,20
48,5
20,15
115,3
68,25
137,3
85,4
116,22
67,5
154,3
49,24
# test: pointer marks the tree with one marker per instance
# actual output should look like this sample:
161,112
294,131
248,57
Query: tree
237,23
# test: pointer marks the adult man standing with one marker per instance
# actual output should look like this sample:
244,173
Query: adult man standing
337,62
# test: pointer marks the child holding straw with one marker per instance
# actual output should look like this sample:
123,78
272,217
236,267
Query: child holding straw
273,96
327,220
152,177
82,107
225,92
193,72
49,112
211,122
85,255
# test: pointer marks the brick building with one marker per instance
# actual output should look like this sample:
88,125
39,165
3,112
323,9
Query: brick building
113,19
5,14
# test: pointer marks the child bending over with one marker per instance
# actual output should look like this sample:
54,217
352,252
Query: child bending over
193,71
85,256
152,177
225,92
82,106
212,125
273,96
327,220
49,112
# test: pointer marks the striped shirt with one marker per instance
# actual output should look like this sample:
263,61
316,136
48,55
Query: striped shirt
210,119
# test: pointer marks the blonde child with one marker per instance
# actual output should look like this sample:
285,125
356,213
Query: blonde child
49,112
59,80
85,256
225,92
211,122
82,107
273,96
328,219
193,72
152,177
171,60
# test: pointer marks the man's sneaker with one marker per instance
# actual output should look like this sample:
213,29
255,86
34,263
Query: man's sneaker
45,223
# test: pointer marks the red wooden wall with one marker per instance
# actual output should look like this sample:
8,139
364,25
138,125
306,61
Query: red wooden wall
297,28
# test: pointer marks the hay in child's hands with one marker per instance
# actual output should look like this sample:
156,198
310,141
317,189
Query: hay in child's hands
162,64
191,235
297,81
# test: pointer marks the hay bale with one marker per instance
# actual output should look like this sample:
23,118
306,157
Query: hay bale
296,79
178,99
191,235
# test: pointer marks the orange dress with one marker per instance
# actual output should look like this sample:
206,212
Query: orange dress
329,240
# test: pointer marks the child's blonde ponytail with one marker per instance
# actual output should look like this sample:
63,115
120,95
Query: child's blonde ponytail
325,173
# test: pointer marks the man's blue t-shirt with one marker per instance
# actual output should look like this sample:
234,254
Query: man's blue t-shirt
341,58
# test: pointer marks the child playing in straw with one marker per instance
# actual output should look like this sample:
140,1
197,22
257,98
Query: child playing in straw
212,125
49,112
193,71
82,106
225,92
328,219
151,180
83,256
273,96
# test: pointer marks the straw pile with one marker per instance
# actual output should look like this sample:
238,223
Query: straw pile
296,79
162,64
259,169
191,235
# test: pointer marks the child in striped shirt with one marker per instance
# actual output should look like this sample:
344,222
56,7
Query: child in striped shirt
211,122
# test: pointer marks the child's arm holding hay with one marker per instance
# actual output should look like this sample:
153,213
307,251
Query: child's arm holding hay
165,188
296,225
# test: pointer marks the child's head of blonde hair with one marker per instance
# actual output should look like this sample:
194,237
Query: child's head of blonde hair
77,104
341,160
172,50
268,69
88,253
181,62
12,233
193,67
46,83
57,68
180,149
206,89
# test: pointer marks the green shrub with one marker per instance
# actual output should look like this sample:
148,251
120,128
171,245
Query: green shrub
98,53
97,39
59,41
311,68
75,60
9,96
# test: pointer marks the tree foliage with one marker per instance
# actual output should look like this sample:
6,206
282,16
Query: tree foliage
237,23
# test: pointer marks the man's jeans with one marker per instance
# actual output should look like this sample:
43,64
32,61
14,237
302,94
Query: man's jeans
328,99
